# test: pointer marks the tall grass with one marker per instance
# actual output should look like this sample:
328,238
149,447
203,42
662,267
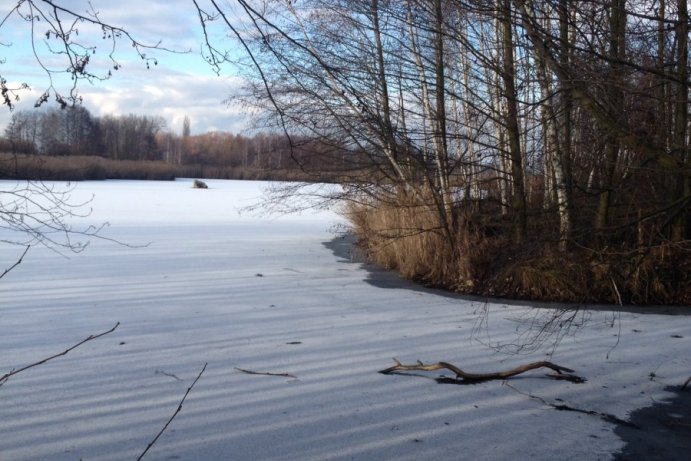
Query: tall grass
79,168
407,236
82,168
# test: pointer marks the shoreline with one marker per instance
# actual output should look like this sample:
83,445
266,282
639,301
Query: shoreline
345,248
661,429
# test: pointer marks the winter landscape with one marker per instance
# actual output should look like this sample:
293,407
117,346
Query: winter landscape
202,280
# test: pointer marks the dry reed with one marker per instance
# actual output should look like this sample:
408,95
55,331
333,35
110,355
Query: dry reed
406,235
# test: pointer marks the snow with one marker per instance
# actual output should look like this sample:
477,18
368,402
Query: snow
204,281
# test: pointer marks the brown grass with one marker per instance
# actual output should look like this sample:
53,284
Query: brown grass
82,168
407,237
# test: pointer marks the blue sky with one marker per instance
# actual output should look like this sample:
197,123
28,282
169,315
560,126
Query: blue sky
180,85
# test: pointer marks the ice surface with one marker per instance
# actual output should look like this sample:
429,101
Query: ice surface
234,289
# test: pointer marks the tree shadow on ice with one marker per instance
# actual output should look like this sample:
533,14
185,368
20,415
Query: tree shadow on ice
665,430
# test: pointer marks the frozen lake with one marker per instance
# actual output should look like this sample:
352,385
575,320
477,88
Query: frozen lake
204,282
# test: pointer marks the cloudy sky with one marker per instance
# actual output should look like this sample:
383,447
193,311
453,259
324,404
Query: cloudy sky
182,84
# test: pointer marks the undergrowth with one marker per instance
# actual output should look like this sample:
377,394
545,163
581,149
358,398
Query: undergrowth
480,260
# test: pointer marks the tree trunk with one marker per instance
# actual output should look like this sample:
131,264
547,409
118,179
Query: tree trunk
617,51
518,200
680,146
563,174
436,115
442,151
387,126
558,128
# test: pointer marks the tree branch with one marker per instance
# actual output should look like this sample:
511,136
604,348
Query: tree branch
189,389
484,376
17,263
76,54
7,376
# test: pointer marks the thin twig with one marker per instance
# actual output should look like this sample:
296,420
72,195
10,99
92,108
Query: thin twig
250,372
170,375
616,290
17,263
7,376
151,444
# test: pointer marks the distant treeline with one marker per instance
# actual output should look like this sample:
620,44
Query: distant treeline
71,144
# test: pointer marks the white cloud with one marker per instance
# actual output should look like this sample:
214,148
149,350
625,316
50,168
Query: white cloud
171,95
180,85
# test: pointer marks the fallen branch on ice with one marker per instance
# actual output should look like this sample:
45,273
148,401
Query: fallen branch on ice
7,376
170,375
189,389
250,372
485,376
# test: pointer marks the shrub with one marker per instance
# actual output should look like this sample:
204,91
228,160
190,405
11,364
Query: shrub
405,235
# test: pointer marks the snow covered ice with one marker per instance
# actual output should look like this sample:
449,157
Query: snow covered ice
203,282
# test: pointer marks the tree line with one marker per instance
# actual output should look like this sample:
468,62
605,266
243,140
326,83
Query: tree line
73,131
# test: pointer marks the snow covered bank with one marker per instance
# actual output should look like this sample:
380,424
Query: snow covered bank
238,290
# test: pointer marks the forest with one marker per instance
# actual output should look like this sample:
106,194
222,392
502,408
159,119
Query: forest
531,149
69,143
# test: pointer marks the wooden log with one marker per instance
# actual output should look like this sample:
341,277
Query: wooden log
461,374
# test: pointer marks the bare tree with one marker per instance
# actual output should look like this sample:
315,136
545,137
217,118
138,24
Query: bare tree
509,91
